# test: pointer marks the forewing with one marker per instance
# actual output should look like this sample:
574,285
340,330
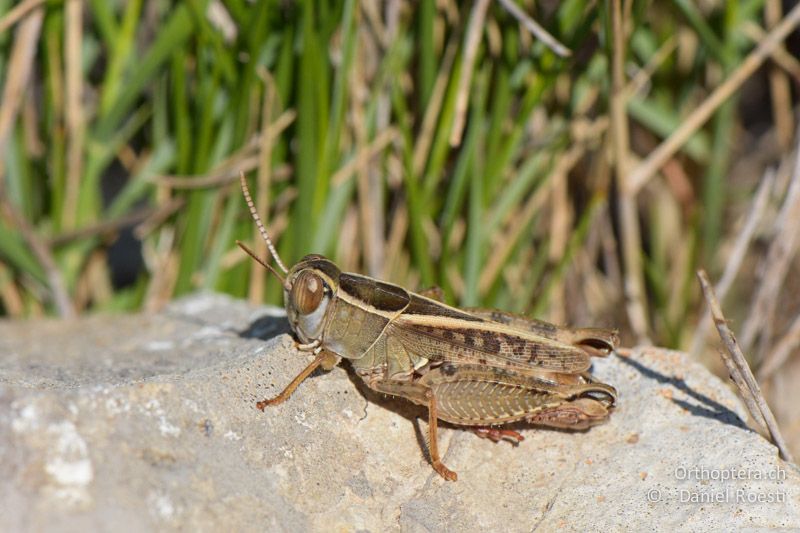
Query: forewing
484,342
594,341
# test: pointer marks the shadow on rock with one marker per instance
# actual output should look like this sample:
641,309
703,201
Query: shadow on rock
265,328
707,407
408,410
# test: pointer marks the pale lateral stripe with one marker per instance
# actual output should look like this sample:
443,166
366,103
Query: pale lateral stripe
492,327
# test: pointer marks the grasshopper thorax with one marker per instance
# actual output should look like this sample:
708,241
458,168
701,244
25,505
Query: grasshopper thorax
309,289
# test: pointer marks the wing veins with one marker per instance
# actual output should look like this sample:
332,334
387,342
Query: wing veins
569,358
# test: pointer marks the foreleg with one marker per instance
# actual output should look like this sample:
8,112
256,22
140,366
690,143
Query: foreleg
325,358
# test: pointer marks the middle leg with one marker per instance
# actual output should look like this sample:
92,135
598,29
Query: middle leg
421,395
497,434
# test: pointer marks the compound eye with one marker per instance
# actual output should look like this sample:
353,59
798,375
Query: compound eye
307,292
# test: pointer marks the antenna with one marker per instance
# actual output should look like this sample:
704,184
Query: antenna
261,230
252,254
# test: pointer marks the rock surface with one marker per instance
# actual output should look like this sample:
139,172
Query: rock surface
149,422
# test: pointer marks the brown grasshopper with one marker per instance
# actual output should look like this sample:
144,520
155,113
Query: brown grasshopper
473,368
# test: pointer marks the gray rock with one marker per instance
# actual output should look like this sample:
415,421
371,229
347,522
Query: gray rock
149,422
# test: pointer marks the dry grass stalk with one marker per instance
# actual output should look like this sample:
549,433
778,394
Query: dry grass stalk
648,168
162,262
777,263
740,371
516,224
780,56
642,78
782,351
18,75
101,228
19,70
471,41
779,85
629,223
371,221
41,250
10,294
255,291
244,160
363,156
17,13
73,111
422,146
155,219
375,243
532,26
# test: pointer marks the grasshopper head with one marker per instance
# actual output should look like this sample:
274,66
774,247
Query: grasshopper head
310,286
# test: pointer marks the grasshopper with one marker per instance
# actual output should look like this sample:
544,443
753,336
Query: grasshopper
475,367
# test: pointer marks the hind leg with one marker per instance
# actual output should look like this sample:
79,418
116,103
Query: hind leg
576,414
434,293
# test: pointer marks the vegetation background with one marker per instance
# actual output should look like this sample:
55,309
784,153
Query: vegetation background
428,142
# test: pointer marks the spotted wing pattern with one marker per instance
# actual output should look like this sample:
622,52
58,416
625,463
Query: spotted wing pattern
486,343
